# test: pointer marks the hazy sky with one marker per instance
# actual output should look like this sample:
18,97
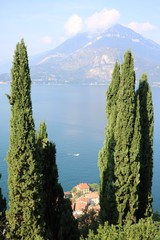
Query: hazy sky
44,24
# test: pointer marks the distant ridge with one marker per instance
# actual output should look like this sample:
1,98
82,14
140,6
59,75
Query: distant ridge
89,58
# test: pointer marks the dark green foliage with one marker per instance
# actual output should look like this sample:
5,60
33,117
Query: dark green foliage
25,216
146,151
126,164
94,187
134,166
68,228
106,155
119,159
88,221
60,223
156,216
47,154
143,230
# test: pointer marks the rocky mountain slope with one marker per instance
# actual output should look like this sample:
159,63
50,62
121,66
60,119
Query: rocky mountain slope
90,58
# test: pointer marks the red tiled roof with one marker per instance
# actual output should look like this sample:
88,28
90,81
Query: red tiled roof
92,195
82,199
83,186
80,205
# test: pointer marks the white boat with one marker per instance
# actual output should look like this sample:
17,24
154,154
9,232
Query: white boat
76,154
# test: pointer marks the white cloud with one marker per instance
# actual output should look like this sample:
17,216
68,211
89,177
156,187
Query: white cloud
141,27
47,40
73,25
102,20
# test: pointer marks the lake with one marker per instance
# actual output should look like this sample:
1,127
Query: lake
75,118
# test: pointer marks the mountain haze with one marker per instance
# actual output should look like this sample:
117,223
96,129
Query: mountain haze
89,58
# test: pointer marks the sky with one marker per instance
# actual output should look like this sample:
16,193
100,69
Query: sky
45,24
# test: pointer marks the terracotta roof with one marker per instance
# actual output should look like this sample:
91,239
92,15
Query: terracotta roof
92,195
80,205
82,199
83,186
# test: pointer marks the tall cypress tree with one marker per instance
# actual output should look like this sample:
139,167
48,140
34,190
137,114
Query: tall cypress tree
146,153
135,166
59,220
47,154
108,210
25,218
125,170
68,224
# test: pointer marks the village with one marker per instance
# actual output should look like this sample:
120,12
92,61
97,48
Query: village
84,198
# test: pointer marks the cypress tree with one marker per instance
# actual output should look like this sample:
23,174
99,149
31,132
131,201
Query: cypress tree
108,210
126,165
135,166
59,220
146,153
68,224
47,154
25,218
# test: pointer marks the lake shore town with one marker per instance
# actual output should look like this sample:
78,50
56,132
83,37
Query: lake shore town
83,198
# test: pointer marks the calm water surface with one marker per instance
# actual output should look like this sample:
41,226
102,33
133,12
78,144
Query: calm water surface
75,118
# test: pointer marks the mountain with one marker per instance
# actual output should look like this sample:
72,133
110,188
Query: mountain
90,58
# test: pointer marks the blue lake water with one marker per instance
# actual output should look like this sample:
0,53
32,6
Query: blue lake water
75,118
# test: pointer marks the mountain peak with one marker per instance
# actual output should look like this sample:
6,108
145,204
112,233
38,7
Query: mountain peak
90,58
120,30
119,27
